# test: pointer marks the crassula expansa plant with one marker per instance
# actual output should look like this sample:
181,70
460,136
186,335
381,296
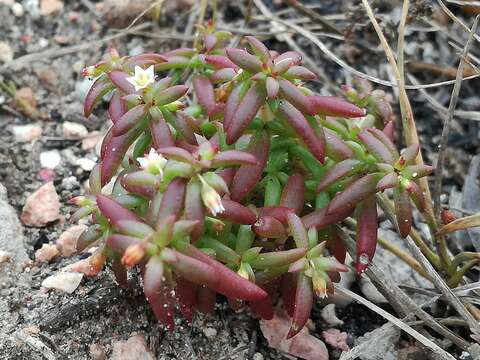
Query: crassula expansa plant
228,175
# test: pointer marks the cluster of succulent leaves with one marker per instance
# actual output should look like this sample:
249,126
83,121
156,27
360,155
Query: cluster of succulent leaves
223,174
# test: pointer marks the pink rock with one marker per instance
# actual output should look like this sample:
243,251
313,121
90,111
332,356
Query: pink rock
46,174
135,348
41,207
336,338
91,140
46,253
50,7
67,242
26,133
73,130
90,266
302,345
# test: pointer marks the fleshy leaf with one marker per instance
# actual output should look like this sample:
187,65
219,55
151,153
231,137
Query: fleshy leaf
367,225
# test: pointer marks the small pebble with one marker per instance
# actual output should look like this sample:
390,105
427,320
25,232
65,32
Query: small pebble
73,130
328,314
26,133
41,207
4,256
210,332
64,281
50,159
6,52
67,242
46,253
85,163
50,7
18,10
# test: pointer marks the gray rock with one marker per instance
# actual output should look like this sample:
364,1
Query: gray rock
379,344
11,233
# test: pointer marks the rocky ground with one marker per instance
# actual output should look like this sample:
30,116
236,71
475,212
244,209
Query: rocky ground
47,149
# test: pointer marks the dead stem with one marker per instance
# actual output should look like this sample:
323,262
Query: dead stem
437,188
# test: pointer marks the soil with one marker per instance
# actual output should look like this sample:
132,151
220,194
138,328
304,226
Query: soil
98,314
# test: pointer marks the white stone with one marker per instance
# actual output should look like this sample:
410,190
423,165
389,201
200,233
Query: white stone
50,159
26,133
85,163
73,130
18,10
64,281
6,52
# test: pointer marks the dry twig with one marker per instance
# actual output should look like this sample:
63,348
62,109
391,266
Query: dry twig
437,189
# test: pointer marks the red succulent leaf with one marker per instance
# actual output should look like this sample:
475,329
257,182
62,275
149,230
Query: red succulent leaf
376,147
303,304
183,125
157,293
337,248
237,213
222,76
278,212
243,59
288,287
335,106
233,157
173,62
206,299
186,293
192,269
230,283
245,112
227,175
269,227
113,211
299,72
120,243
297,121
403,211
339,171
194,209
141,183
247,176
293,194
170,94
367,225
416,194
220,62
172,200
129,120
204,90
114,149
88,237
263,308
354,193
295,96
258,48
281,67
233,101
186,52
272,87
119,271
161,134
277,258
320,219
98,90
297,231
293,55
177,153
409,154
388,181
389,130
117,107
380,135
336,148
119,79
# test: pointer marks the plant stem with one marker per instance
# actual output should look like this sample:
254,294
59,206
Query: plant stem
410,132
458,276
401,254
387,206
462,257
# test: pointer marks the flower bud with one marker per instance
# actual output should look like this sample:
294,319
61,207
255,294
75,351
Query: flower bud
211,198
133,255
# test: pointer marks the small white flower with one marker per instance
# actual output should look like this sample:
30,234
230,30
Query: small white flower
211,198
142,78
153,162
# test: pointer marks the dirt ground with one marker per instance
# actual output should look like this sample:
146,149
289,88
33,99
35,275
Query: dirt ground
89,322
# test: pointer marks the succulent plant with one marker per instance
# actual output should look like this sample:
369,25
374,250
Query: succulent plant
231,183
